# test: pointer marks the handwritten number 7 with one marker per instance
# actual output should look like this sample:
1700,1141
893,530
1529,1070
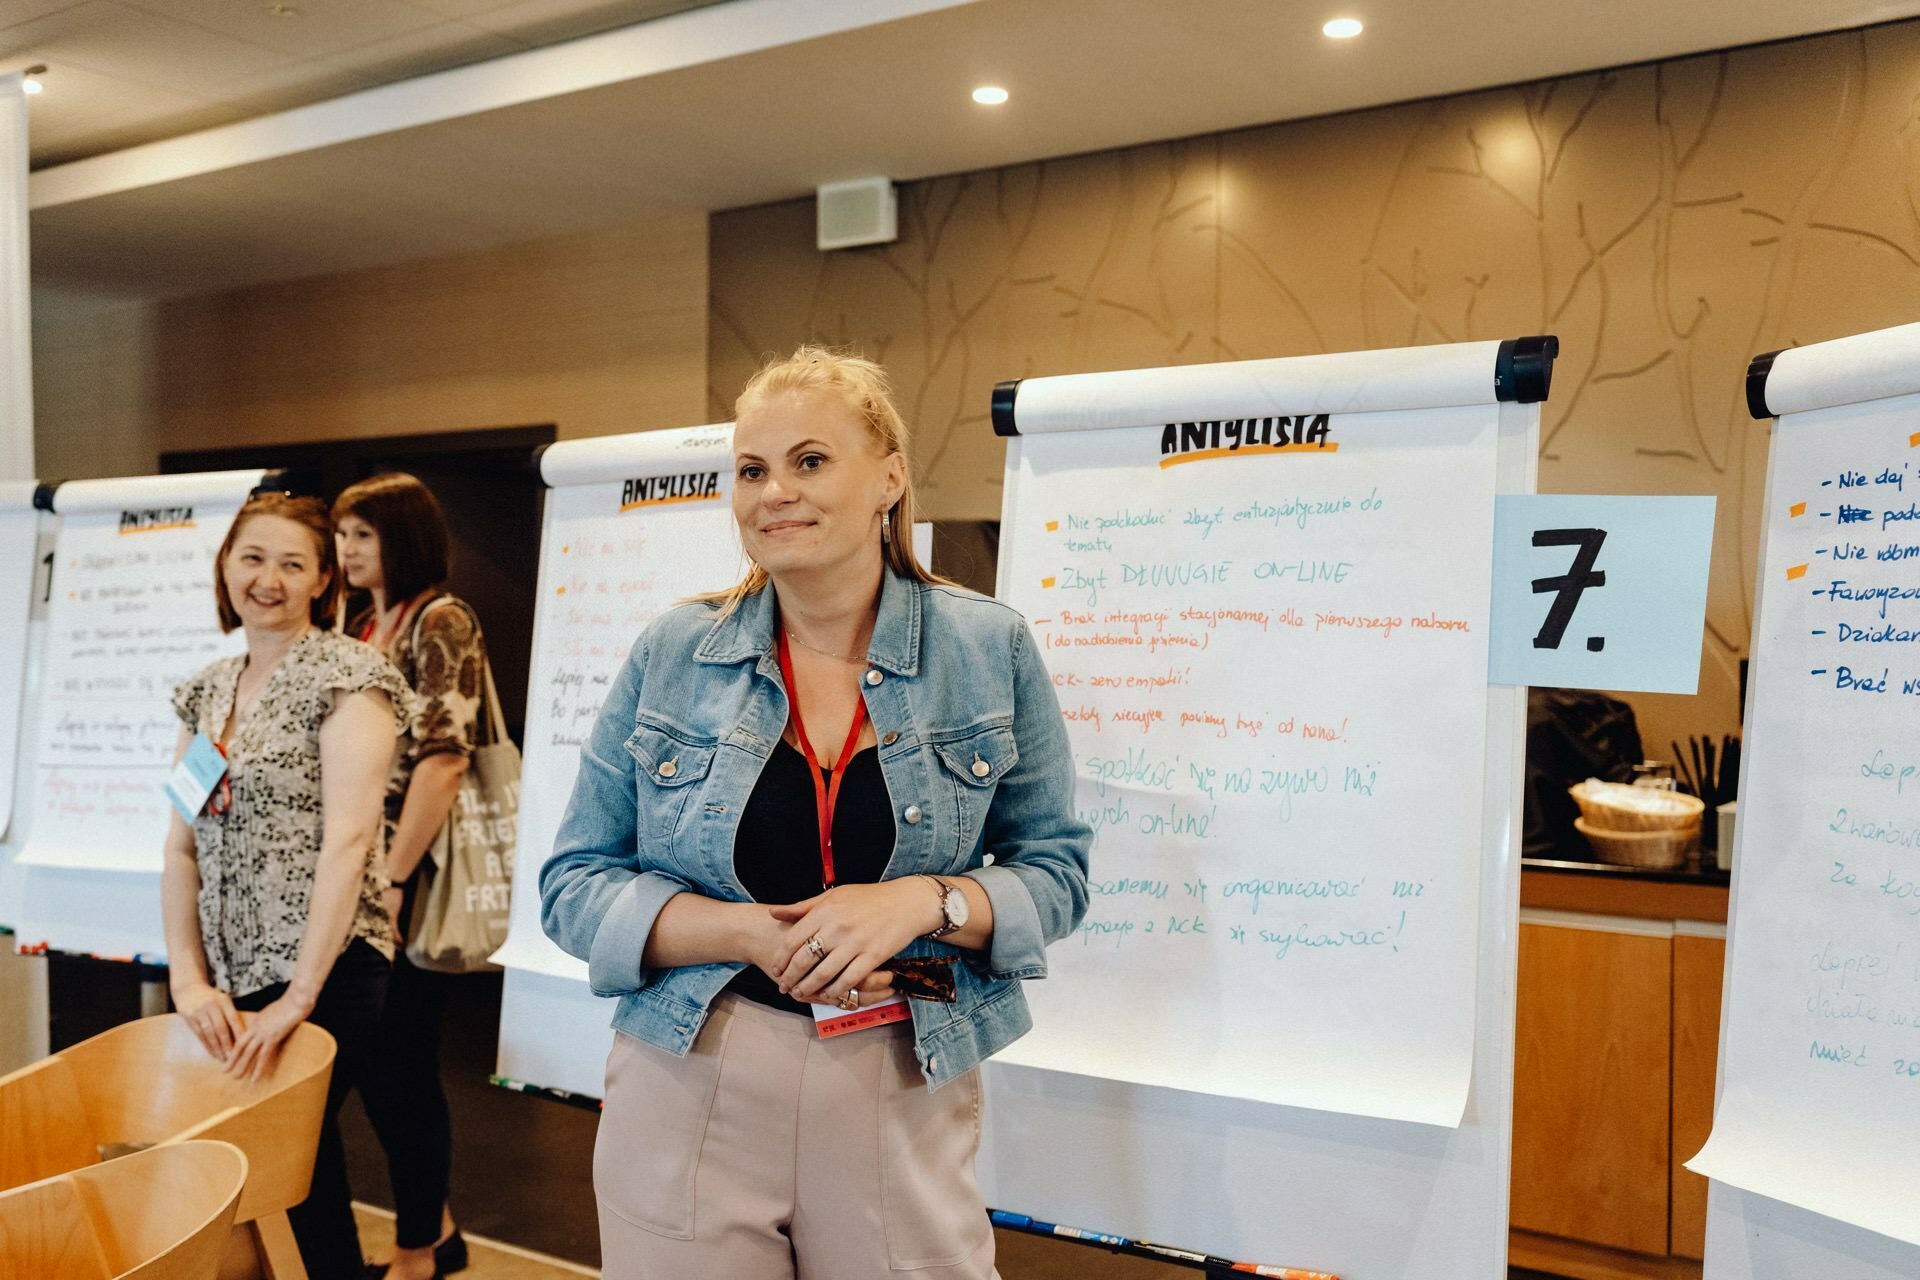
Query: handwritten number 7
1570,584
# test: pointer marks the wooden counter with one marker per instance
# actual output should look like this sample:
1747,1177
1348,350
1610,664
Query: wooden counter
1615,1040
1602,889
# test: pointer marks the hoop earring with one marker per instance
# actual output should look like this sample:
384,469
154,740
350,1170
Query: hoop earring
886,525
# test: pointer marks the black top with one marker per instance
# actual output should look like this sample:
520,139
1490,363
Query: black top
776,852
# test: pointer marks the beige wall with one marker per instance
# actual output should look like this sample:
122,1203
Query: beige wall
596,334
1665,221
91,360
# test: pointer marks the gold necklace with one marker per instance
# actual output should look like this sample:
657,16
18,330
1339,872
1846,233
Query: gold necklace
822,652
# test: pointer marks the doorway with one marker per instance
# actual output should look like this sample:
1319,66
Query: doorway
488,483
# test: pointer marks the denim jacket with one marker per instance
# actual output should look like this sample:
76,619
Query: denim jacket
952,678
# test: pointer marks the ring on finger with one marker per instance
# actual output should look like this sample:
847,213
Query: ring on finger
818,948
850,999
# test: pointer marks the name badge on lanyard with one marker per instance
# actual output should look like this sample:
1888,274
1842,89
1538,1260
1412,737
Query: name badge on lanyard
200,778
831,1019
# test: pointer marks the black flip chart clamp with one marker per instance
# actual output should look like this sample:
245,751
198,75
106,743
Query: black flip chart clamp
1523,369
1004,394
1757,370
274,480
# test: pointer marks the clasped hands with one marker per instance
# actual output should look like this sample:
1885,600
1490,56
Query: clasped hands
247,1046
859,926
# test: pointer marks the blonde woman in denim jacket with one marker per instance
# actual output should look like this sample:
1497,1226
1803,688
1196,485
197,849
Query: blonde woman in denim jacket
838,678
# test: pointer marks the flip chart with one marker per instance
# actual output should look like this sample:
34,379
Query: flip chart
132,615
634,524
1820,1057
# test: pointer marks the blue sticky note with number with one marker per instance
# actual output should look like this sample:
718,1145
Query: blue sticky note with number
1599,592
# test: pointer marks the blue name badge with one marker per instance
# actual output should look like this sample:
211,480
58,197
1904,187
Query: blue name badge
195,777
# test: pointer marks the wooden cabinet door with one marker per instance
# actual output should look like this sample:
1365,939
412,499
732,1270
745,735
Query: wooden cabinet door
1592,1065
1697,966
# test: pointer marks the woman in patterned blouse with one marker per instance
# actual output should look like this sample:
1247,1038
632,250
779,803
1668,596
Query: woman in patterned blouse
272,895
393,545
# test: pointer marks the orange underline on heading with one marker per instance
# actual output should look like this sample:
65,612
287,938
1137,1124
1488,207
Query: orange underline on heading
1797,509
1797,571
1913,441
1245,449
160,528
661,502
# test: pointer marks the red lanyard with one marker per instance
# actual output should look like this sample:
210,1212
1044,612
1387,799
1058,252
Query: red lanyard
222,798
373,625
825,794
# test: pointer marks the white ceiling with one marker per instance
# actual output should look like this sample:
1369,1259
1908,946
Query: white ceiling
126,72
756,100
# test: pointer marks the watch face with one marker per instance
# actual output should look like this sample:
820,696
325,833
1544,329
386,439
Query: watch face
957,907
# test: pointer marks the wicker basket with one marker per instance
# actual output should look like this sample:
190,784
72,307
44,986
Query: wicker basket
1651,849
1601,807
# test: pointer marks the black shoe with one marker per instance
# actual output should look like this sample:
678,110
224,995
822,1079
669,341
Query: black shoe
449,1256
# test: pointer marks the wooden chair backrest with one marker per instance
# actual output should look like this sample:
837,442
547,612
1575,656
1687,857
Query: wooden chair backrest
44,1129
46,1234
161,1214
150,1081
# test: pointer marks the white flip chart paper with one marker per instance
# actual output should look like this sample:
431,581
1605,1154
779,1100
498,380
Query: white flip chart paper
634,525
132,615
1271,652
1820,1055
19,530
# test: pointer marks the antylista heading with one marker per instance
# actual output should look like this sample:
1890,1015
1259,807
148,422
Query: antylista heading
691,485
1242,433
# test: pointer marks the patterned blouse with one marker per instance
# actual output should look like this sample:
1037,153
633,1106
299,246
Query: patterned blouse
257,858
447,677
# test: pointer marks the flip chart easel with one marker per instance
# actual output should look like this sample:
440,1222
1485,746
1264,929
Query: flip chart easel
1362,1195
633,524
19,554
131,613
1813,1164
32,638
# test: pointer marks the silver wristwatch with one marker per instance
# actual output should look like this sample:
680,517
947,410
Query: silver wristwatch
953,905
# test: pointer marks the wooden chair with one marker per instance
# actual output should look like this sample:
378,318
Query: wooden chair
149,1082
162,1214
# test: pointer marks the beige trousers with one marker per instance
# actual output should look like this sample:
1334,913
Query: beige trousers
768,1153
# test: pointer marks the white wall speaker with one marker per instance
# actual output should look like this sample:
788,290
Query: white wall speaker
864,211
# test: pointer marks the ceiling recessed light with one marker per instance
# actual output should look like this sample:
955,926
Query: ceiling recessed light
30,85
1342,29
989,95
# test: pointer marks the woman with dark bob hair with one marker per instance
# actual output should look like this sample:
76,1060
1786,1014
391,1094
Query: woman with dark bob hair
272,895
393,545
841,717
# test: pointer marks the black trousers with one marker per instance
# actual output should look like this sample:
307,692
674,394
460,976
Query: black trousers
408,1108
349,1008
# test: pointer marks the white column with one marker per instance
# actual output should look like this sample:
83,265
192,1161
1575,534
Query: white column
16,329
